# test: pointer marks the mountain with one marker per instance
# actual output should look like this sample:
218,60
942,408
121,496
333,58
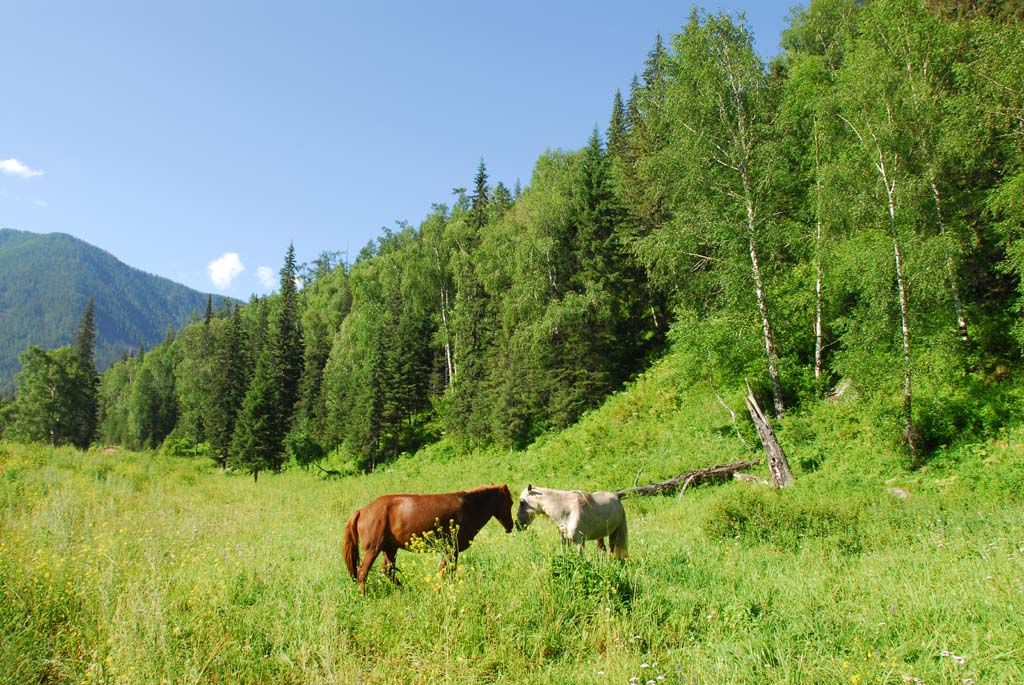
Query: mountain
45,281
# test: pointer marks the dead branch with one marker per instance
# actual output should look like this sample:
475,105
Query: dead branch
710,474
735,425
328,473
637,479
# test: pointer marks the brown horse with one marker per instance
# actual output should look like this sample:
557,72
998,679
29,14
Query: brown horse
391,522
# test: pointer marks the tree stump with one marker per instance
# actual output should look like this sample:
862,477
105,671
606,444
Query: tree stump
778,465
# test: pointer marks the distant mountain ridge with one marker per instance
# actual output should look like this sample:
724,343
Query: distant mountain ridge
45,281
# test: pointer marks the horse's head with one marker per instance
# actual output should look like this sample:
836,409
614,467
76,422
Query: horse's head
503,508
528,507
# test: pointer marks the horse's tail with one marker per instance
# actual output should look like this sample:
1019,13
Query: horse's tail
350,548
618,540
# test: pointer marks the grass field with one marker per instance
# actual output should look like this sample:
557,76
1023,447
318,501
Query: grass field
120,567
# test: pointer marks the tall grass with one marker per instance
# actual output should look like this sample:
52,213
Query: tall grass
119,567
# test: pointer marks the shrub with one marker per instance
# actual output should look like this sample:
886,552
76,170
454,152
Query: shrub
574,576
183,447
300,446
784,519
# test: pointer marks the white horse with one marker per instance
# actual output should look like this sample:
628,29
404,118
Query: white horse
579,516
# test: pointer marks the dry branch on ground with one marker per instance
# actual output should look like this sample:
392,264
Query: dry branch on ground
710,474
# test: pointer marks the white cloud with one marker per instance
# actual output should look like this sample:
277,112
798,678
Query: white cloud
225,269
16,168
266,276
40,203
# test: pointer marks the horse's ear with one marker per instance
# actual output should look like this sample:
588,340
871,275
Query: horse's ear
530,487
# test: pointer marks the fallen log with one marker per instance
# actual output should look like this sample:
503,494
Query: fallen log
710,474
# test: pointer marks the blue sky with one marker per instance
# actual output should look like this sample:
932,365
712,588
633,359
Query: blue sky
176,133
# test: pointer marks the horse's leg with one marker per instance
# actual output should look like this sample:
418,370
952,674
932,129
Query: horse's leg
571,533
372,551
579,538
576,534
619,541
390,569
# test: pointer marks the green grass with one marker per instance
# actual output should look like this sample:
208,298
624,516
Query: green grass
119,567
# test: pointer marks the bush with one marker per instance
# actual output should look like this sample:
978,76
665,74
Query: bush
183,447
300,446
575,576
784,519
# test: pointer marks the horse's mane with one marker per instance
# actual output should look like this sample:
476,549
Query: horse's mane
480,494
481,489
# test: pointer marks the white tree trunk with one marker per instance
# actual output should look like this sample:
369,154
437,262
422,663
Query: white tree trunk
889,182
909,434
444,318
762,306
818,275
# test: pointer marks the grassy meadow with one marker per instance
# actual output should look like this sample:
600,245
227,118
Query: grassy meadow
120,567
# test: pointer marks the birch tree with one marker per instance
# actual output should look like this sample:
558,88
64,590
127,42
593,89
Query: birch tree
814,45
875,115
721,164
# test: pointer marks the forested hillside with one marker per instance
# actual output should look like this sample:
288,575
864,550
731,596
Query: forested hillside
846,216
45,281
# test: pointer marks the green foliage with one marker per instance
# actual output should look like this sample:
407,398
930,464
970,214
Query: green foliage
287,341
301,447
86,416
577,578
761,516
182,447
480,197
256,444
6,415
230,378
50,397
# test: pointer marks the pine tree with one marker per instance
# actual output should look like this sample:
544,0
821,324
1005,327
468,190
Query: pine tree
644,192
86,412
618,129
480,198
633,103
269,404
256,443
471,328
287,343
590,353
502,199
228,388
